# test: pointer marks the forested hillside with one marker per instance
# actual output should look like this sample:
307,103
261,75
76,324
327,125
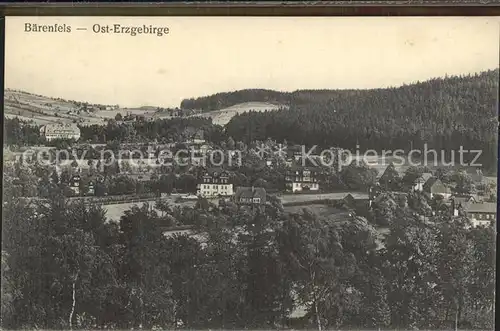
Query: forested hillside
228,99
445,113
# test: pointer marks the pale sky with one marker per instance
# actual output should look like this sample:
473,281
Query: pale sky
205,55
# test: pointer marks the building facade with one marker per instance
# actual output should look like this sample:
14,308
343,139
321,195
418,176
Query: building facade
300,179
481,213
434,187
215,183
60,131
250,196
459,203
74,184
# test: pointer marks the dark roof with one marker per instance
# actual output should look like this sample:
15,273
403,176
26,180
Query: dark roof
215,172
429,183
294,148
250,193
462,200
349,199
397,171
425,177
296,167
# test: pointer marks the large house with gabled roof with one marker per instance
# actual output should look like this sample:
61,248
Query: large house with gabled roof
300,179
214,183
481,213
434,187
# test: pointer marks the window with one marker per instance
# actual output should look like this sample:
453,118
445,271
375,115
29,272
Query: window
256,200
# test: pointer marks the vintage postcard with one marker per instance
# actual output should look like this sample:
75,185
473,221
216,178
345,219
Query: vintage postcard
250,173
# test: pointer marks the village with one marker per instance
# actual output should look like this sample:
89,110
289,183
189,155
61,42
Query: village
183,186
250,173
184,172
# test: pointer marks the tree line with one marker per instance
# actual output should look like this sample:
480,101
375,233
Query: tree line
444,113
19,133
65,267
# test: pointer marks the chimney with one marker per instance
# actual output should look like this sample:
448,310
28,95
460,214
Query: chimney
253,189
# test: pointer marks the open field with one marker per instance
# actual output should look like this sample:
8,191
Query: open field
223,116
42,110
124,111
115,211
294,198
318,209
36,120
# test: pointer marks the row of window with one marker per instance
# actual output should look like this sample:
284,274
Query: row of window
214,187
311,185
483,216
210,180
250,200
61,135
305,173
301,179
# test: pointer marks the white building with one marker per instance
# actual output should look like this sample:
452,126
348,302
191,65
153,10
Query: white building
215,183
301,179
481,213
60,131
75,184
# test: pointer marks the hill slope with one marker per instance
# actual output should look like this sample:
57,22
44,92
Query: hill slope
443,113
38,109
224,100
223,116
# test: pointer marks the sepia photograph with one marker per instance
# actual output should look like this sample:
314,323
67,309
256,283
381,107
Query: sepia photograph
271,173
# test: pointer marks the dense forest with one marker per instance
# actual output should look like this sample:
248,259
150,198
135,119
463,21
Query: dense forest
65,267
166,130
443,113
18,132
228,99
